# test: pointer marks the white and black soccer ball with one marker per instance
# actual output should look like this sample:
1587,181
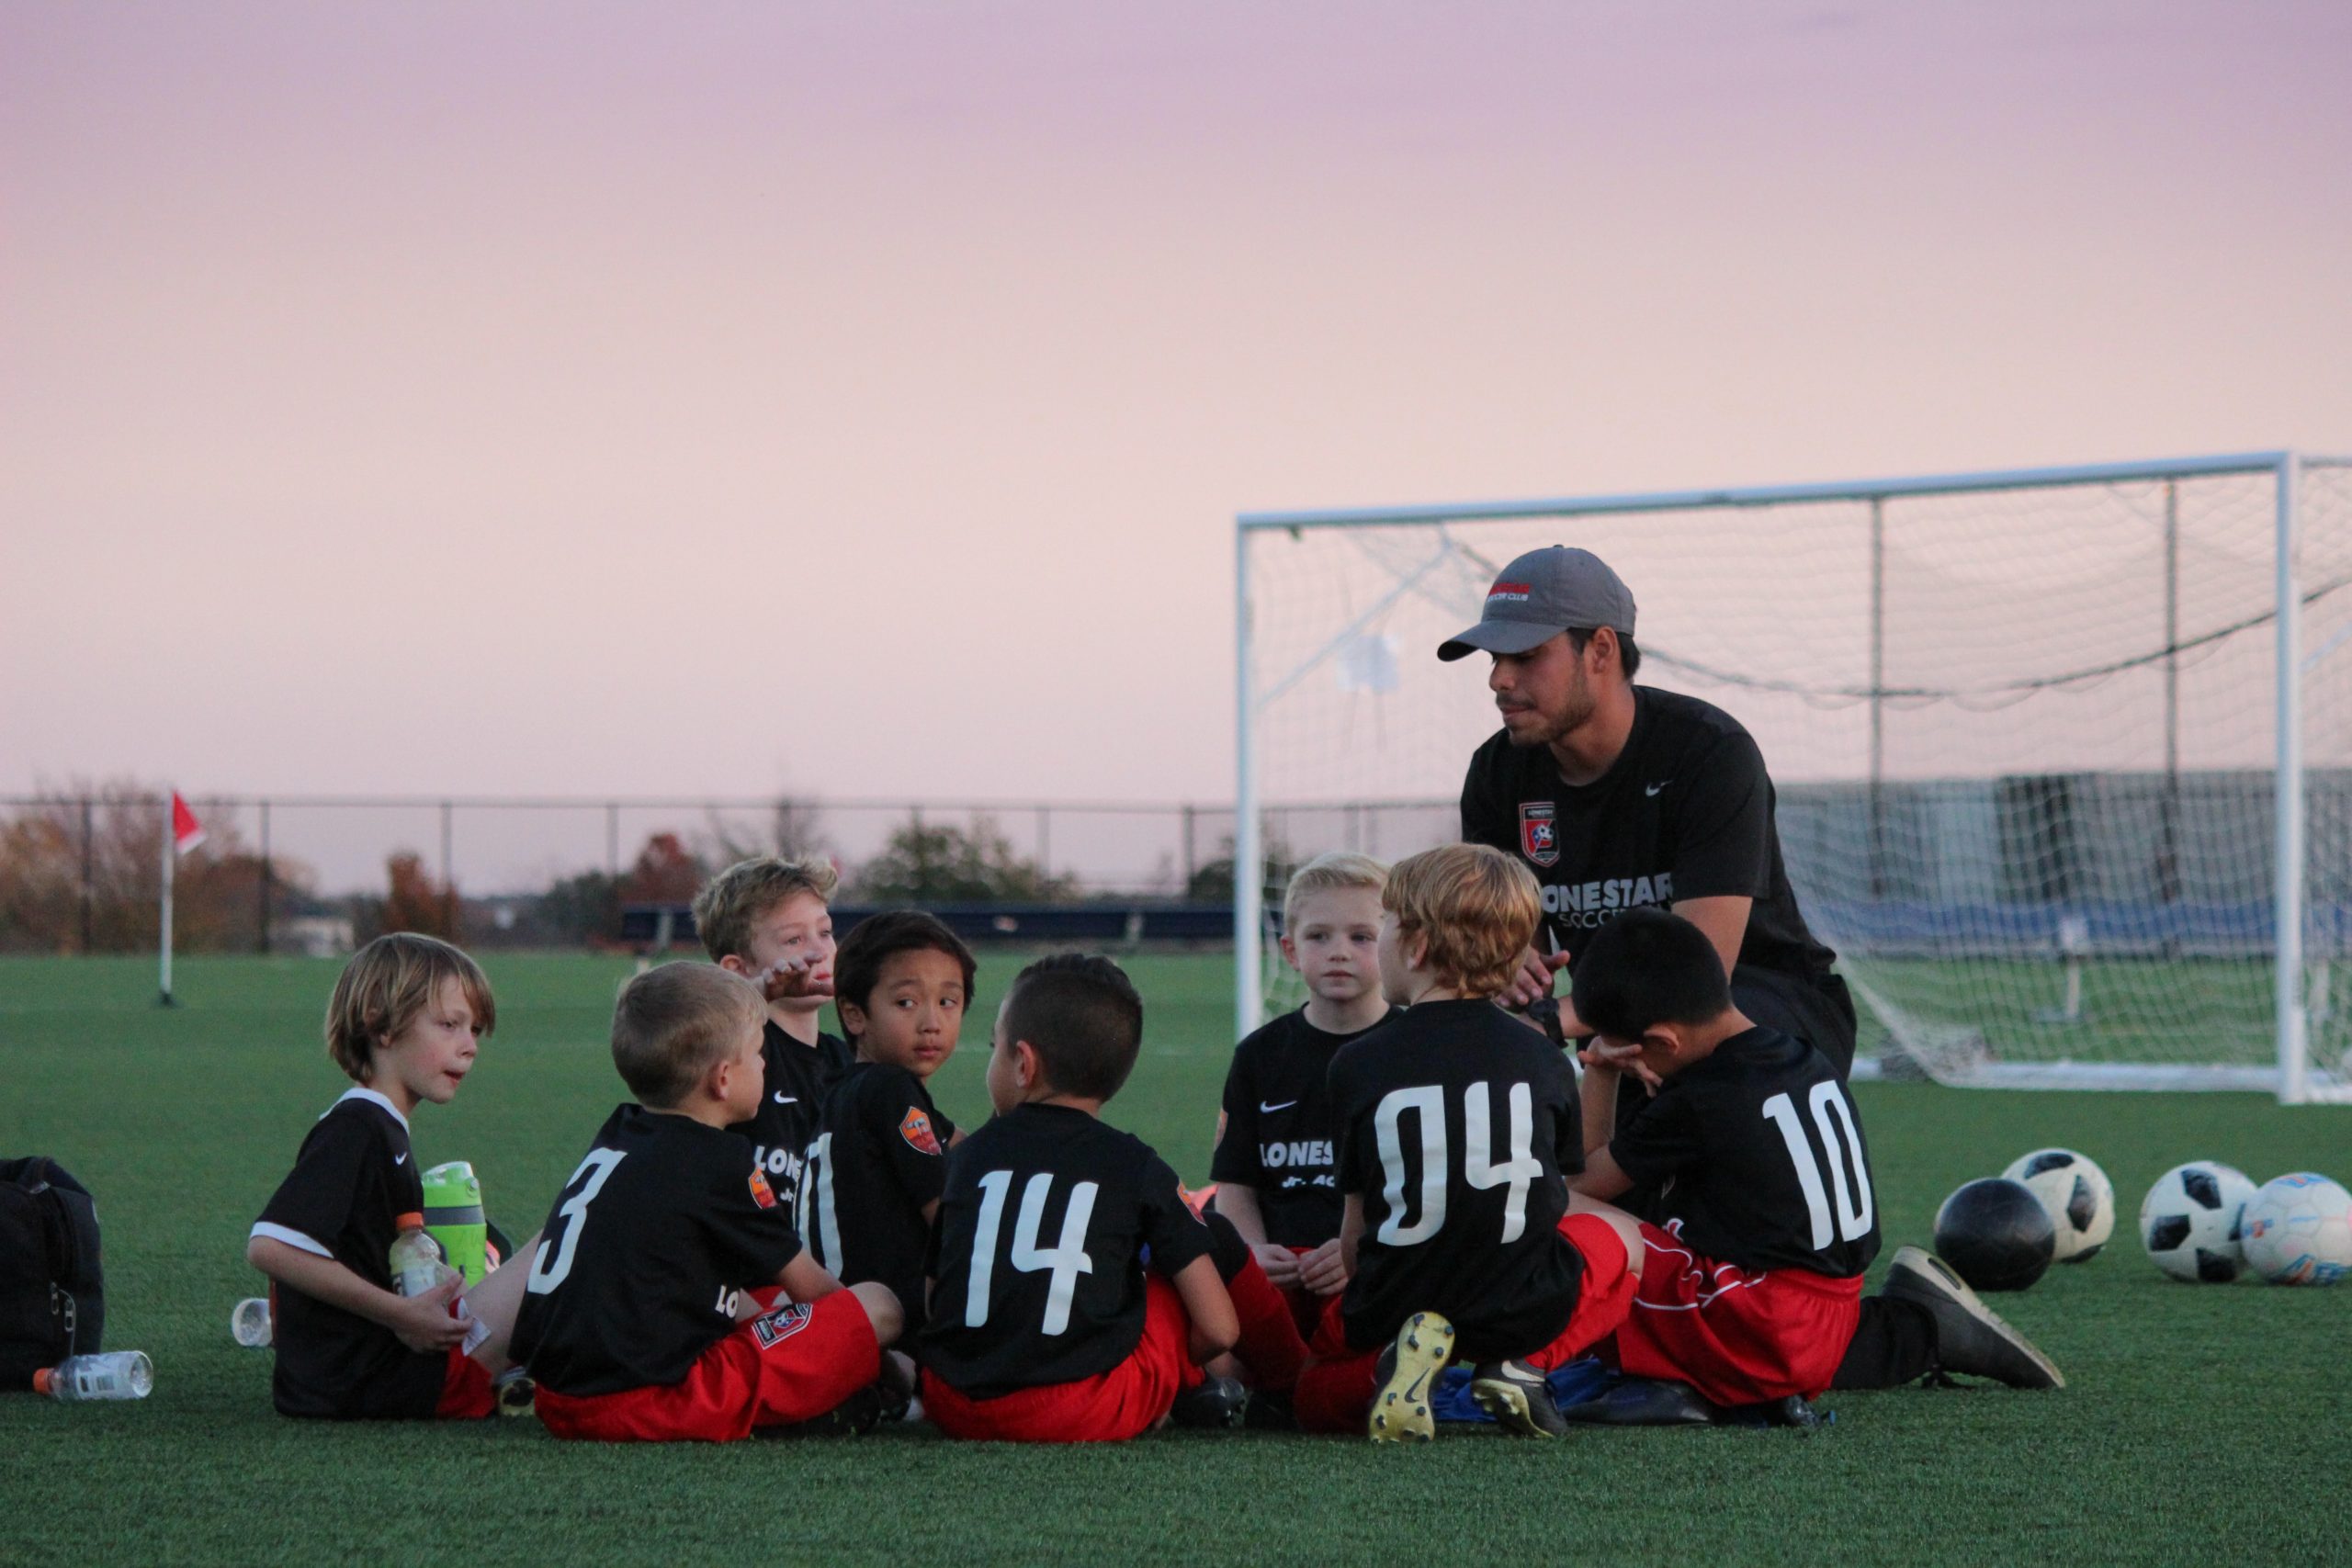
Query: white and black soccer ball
2188,1221
2298,1231
2076,1193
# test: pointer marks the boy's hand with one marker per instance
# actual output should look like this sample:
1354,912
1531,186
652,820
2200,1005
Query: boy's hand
1280,1263
423,1324
1324,1270
790,978
1534,980
1602,1055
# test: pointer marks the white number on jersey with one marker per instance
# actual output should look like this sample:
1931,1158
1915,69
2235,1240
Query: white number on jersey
1066,1261
1427,1103
813,1214
553,1265
1833,1117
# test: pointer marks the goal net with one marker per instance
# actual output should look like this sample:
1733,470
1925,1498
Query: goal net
2025,729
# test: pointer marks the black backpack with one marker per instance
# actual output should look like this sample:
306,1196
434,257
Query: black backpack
52,1294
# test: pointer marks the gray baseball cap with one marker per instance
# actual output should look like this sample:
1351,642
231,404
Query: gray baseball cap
1541,595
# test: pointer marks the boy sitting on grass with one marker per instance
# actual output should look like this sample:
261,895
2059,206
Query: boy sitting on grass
767,919
1275,1139
405,1022
1752,1294
630,1320
872,1178
1075,1298
1457,1126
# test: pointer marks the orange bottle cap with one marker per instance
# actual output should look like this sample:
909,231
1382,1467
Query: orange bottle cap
41,1381
409,1223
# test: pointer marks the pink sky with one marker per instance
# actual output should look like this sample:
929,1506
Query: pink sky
856,398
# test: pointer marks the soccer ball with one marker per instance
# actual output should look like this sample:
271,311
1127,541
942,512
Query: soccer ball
2298,1231
2188,1221
2079,1196
1995,1234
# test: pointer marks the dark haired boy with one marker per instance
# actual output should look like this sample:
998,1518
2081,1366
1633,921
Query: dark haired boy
871,1180
1751,1293
1456,1125
630,1319
1075,1296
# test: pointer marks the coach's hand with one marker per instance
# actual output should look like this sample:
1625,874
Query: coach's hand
791,977
423,1324
1534,980
1324,1270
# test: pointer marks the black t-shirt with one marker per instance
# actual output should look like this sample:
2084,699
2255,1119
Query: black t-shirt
1757,1149
1038,1257
1458,1127
353,1180
643,1254
797,1077
1276,1137
880,1154
1685,812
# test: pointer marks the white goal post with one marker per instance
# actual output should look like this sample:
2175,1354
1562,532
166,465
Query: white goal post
2064,755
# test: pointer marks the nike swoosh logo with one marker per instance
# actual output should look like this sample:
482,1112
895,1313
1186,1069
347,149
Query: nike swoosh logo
1653,789
783,1099
1266,1109
400,1159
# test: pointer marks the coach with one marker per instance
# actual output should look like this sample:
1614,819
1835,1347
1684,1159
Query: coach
1618,796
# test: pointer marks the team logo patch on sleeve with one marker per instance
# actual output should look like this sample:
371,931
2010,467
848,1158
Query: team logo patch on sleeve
1539,833
915,1127
762,1193
773,1328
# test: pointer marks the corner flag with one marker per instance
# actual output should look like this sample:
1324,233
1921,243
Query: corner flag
182,833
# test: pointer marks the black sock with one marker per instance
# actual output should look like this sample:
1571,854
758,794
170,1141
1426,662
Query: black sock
1893,1344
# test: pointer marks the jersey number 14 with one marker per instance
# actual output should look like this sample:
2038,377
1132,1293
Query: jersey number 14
1065,1262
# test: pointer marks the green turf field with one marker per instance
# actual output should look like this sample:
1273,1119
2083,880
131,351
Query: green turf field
2203,1422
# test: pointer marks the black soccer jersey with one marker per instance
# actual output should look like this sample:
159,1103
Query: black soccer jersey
1458,1127
644,1252
1756,1148
1038,1257
1685,812
797,1077
1276,1135
353,1180
880,1154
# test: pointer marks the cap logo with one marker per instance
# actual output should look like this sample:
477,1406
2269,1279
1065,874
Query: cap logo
1508,594
1539,835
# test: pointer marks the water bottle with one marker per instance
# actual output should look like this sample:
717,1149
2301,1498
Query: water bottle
250,1323
453,1217
416,1258
116,1374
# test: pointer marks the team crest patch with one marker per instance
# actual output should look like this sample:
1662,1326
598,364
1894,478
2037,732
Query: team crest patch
1508,594
1539,834
762,1193
773,1328
916,1129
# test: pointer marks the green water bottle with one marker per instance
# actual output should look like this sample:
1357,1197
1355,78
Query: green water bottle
453,1215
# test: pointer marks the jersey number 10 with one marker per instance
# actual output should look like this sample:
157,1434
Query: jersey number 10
1834,1119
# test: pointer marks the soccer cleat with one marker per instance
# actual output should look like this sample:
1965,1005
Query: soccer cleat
1406,1375
1645,1402
512,1392
1213,1403
1518,1399
1971,1338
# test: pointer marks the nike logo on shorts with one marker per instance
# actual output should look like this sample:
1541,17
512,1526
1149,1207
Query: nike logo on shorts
1266,1109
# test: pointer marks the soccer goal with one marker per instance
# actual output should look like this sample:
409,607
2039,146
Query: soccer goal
2064,755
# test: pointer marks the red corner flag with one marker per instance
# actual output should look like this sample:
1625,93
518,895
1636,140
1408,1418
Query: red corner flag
186,831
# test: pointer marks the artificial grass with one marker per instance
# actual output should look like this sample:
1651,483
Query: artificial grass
2200,1422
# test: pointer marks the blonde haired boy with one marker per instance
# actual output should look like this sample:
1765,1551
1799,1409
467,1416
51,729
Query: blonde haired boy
1458,1126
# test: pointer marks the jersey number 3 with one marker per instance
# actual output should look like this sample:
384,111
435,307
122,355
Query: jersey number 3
1066,1261
1834,1119
553,1265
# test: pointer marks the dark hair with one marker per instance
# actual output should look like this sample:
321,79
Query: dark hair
1644,968
1629,657
1082,1017
876,939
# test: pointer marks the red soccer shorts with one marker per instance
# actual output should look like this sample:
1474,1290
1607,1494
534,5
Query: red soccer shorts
1306,1307
1108,1407
1738,1339
789,1365
1335,1392
465,1388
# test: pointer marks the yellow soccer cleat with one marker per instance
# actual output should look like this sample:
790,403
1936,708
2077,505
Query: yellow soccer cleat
1407,1375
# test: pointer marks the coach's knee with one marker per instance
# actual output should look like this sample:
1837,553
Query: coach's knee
882,1310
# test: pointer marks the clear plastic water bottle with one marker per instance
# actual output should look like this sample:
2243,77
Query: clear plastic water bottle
250,1323
416,1258
115,1374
